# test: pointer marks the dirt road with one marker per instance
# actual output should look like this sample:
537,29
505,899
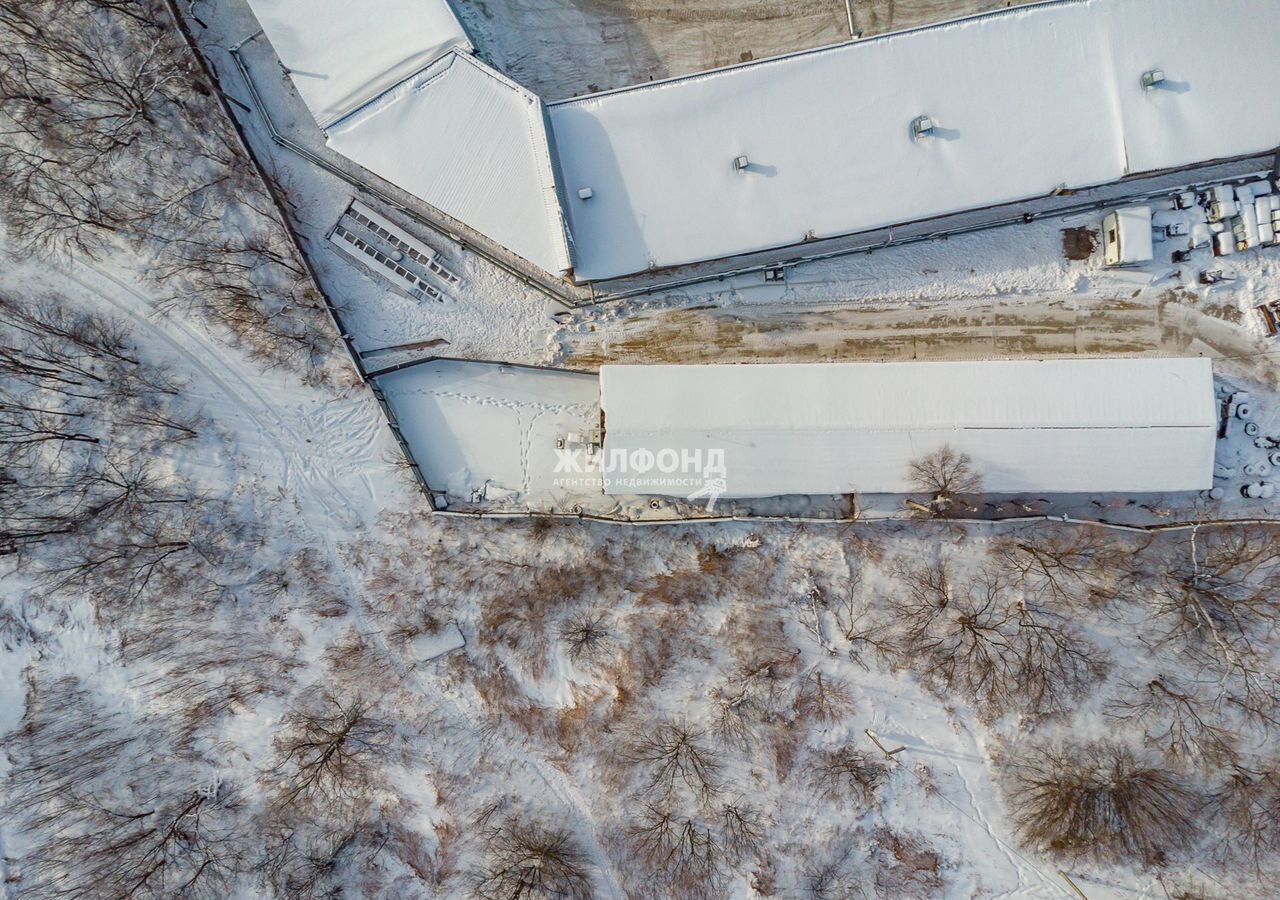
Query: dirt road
991,330
878,16
563,48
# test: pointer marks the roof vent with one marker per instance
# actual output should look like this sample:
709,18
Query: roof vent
585,193
740,163
921,126
1152,78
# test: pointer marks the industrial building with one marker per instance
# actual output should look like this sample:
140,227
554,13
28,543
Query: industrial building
1053,426
906,127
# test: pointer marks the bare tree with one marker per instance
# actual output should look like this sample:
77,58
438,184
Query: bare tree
840,619
1183,719
527,861
305,863
87,94
84,424
838,876
1248,807
676,754
109,812
586,635
329,750
1065,565
110,138
849,774
946,474
681,850
993,645
755,695
1216,595
824,698
742,829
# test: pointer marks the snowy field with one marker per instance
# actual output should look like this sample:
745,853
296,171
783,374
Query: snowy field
562,48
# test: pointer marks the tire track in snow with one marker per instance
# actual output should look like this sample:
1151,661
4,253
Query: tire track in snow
269,421
485,742
194,349
960,751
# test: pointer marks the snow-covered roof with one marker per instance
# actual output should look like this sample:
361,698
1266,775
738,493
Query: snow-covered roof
476,426
341,54
1023,101
1134,240
393,84
473,144
1062,426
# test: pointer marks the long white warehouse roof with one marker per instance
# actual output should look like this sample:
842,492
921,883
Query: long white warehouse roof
343,53
1061,426
1023,101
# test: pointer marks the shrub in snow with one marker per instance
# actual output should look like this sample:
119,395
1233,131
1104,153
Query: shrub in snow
841,875
905,865
1103,801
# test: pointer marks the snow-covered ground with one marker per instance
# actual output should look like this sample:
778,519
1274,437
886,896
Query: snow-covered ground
320,458
779,649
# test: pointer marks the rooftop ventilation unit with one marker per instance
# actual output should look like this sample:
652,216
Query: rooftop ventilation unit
921,127
740,163
1152,78
585,193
